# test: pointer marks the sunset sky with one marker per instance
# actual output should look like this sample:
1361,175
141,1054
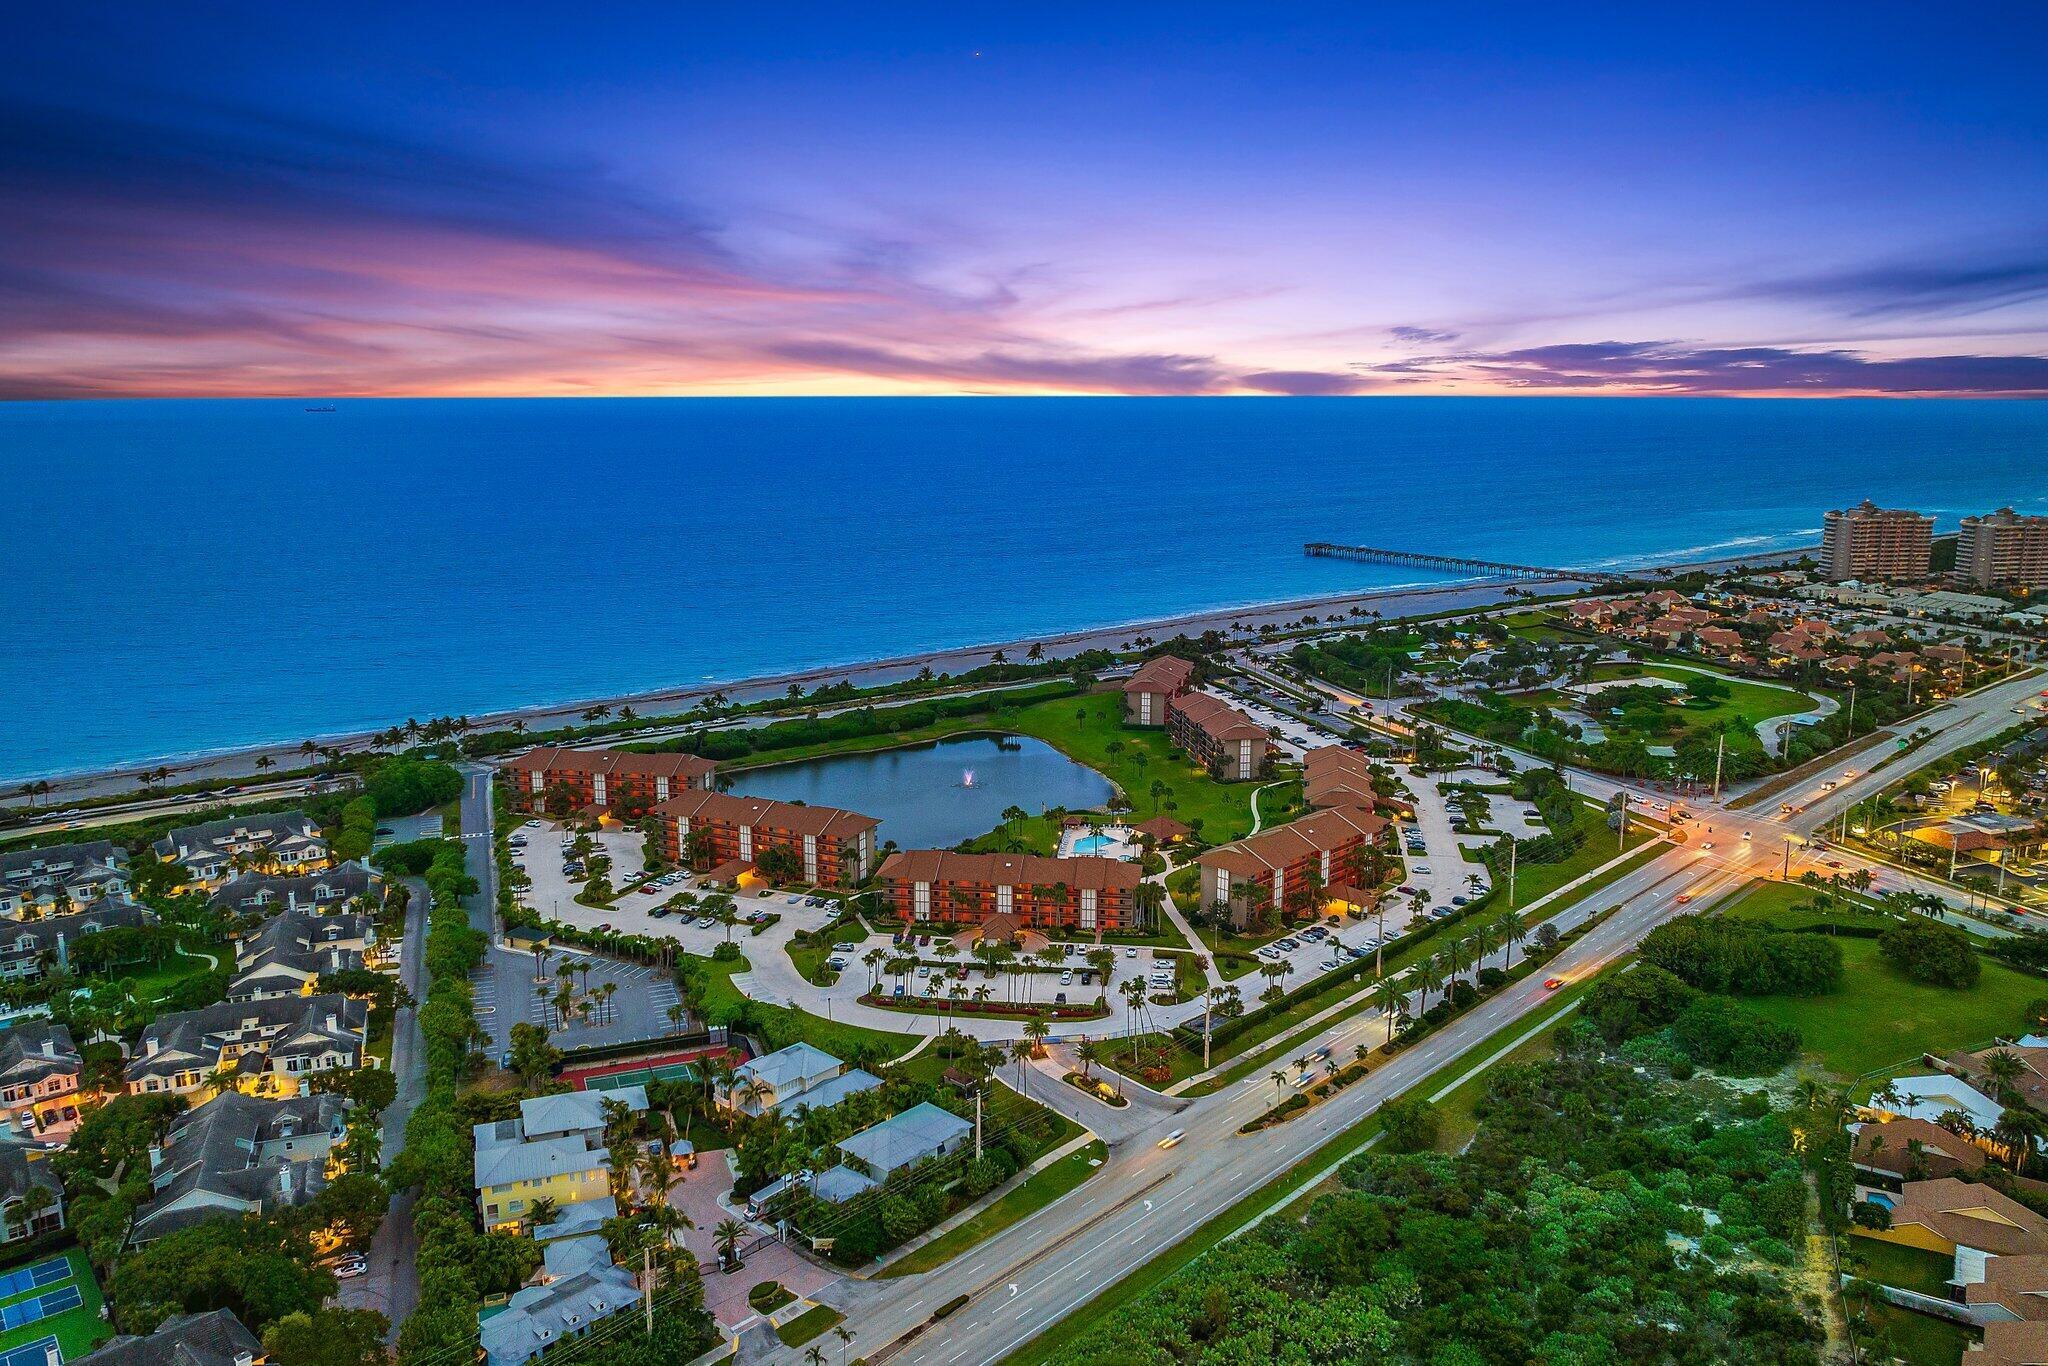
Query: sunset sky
714,199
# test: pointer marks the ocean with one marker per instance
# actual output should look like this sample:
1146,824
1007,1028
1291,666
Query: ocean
196,574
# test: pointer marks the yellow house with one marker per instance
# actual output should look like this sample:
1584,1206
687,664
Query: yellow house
512,1174
1964,1220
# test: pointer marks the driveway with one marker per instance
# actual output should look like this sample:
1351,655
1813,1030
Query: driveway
698,1196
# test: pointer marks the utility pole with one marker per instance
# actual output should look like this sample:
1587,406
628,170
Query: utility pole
977,1124
1512,846
647,1286
1720,748
1787,874
1621,832
1851,732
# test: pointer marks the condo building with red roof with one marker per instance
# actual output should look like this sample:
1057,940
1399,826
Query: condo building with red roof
725,834
1083,893
602,778
1290,868
1150,691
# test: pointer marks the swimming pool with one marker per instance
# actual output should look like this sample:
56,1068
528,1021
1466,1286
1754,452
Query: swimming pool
1093,844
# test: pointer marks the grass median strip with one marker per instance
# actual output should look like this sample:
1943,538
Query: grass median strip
1037,1191
1278,1192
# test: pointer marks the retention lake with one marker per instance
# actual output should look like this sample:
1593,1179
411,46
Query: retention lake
934,796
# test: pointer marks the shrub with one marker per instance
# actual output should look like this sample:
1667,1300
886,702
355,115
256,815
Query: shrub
1411,1124
1716,1032
1629,1004
1744,959
1928,951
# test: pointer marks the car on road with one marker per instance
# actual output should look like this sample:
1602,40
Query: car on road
1552,983
1745,837
1173,1138
1706,845
1684,897
350,1268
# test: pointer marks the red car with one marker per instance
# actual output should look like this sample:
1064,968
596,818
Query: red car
1552,983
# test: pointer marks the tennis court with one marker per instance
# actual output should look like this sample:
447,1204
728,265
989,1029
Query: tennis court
33,1353
641,1076
34,1277
62,1300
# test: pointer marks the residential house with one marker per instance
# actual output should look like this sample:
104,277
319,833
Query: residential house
1931,1096
259,894
1965,1220
599,781
1086,892
725,835
272,1045
1231,745
2021,1343
2013,1289
27,948
31,1196
555,1151
268,842
61,878
215,1338
239,1155
1151,690
1718,640
1902,1150
559,1310
1291,868
793,1076
923,1133
1162,830
39,1071
287,955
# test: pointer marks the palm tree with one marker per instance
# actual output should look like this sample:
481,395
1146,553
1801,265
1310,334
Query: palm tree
1429,975
1090,1053
1279,1084
1513,932
814,1355
605,994
1387,995
2004,1069
1020,1052
1036,1030
540,1213
726,1240
839,1329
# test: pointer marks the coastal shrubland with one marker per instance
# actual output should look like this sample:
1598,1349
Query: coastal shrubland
1573,1227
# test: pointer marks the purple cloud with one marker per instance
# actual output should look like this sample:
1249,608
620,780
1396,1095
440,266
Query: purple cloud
1421,336
1677,368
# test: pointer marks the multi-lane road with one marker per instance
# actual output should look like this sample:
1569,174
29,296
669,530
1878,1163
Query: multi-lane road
1148,1198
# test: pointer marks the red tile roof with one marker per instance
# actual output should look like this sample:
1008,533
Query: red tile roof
556,758
826,822
1165,673
1088,871
1218,719
1257,855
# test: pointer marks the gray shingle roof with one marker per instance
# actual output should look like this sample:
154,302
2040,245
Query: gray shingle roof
215,1338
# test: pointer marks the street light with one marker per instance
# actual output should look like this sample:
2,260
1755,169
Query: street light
1790,842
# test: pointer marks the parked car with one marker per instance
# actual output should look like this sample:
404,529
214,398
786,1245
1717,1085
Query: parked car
1067,978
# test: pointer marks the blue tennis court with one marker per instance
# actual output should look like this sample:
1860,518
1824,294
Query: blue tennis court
34,1277
61,1300
33,1353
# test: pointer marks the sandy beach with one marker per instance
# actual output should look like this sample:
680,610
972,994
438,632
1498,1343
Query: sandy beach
235,765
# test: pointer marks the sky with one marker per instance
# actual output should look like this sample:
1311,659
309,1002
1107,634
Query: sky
549,199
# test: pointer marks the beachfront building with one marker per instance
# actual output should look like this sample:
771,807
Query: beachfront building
31,1196
61,878
561,1309
1231,745
39,1071
272,1046
238,1156
554,1151
260,894
268,842
1332,775
1151,690
727,836
288,955
1292,870
215,1338
2003,549
33,947
1868,542
601,781
1087,893
792,1078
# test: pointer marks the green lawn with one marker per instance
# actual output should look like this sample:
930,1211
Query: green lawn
809,1324
78,1330
835,1038
1908,1268
1918,1338
1881,1020
1747,702
1791,906
1036,1192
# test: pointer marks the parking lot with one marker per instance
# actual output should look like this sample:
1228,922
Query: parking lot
539,849
512,986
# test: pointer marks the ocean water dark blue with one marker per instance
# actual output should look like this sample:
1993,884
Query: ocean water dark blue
186,575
